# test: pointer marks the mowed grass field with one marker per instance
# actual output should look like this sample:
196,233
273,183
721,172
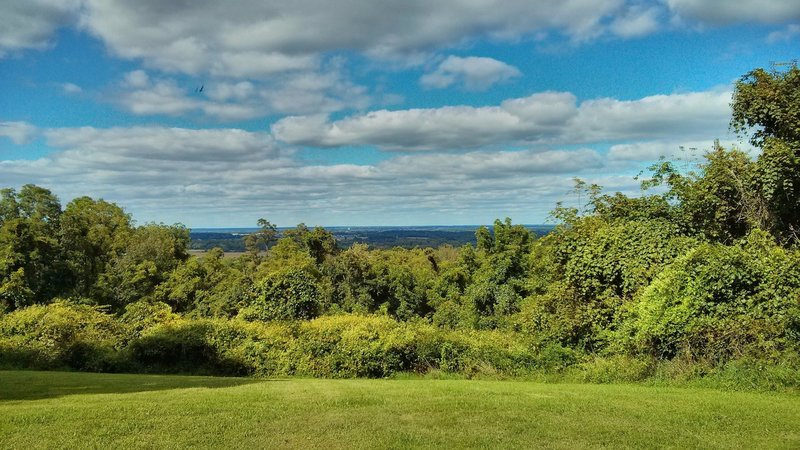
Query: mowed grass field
82,410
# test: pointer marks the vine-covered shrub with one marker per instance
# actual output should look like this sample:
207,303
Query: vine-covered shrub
184,347
60,335
722,302
67,336
284,295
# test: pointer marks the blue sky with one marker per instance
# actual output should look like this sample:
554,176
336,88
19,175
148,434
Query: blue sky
367,113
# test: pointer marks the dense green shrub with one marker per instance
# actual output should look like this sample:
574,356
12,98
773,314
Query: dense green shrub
284,295
616,258
141,315
350,346
722,302
60,335
193,346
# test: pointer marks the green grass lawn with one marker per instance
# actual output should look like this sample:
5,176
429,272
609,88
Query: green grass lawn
64,410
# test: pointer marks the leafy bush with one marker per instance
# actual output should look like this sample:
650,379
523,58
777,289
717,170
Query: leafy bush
60,335
353,346
141,315
193,346
284,295
722,302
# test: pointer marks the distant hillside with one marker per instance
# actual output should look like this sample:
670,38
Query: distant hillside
230,239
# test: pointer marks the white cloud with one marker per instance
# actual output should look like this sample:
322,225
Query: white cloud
298,93
544,118
161,97
687,115
30,24
313,92
164,144
256,38
636,21
489,165
173,174
689,152
224,91
254,64
786,34
727,11
137,79
474,73
19,132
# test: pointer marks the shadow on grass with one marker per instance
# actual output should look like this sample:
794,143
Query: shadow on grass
33,385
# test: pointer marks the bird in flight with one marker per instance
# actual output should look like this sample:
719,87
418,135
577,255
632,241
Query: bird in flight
200,89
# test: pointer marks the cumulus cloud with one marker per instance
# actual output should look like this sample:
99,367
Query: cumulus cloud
543,118
254,38
474,73
170,174
30,24
636,21
159,97
492,165
137,79
725,11
299,93
688,115
165,144
19,132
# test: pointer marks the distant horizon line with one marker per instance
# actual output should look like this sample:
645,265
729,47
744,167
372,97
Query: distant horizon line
372,226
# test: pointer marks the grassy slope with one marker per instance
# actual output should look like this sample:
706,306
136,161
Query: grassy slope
41,409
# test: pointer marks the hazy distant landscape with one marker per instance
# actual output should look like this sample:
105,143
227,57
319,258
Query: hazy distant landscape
232,239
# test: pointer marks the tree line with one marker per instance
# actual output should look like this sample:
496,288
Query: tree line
703,268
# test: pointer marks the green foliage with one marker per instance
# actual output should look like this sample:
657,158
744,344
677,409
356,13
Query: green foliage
351,276
284,295
152,252
487,285
348,346
699,276
718,203
615,369
722,302
351,346
142,315
776,180
15,292
261,239
197,346
768,104
93,234
401,279
30,264
59,335
209,286
319,243
616,258
601,265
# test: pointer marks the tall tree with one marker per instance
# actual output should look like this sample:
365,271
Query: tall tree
30,264
93,233
261,239
766,107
